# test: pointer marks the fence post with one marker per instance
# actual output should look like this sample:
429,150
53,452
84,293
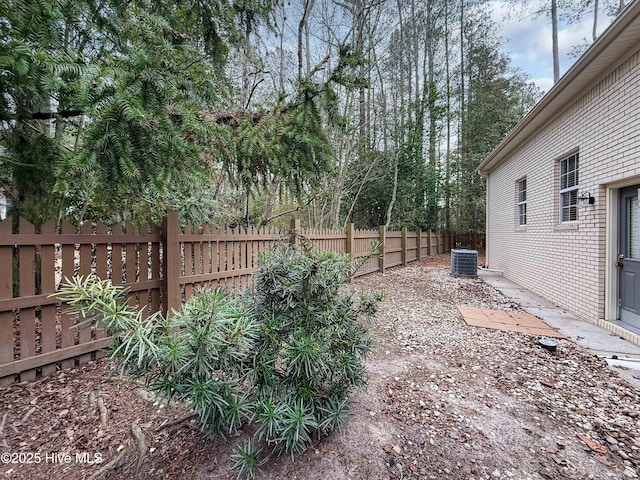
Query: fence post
429,253
404,246
418,243
294,231
381,260
349,247
171,259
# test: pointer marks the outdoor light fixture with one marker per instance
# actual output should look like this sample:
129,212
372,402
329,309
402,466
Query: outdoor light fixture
585,198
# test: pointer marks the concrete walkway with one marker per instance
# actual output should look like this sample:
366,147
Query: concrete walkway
617,351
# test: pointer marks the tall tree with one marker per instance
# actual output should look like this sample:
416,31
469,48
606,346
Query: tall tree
549,8
497,99
344,110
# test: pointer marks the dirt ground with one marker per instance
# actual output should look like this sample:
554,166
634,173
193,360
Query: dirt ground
445,401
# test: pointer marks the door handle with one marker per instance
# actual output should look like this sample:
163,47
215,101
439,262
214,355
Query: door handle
620,258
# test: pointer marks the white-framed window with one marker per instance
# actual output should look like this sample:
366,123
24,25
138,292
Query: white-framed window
569,189
522,202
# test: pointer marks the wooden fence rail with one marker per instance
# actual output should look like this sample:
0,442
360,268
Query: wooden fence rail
162,267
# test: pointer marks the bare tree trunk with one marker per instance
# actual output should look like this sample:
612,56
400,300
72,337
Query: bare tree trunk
271,202
307,43
447,179
461,121
394,190
365,179
281,53
462,90
348,143
343,152
554,35
595,20
359,19
308,5
401,92
416,66
432,206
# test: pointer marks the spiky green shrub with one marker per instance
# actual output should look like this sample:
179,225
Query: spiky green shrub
311,353
247,459
137,339
206,357
285,357
201,355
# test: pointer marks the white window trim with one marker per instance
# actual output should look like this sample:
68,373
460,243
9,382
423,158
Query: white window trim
568,189
522,203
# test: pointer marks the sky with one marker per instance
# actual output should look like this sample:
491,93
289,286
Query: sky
528,41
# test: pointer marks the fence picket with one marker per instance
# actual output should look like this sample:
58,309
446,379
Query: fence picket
131,263
102,271
143,269
67,332
116,256
155,270
188,263
85,269
6,292
101,253
27,315
47,287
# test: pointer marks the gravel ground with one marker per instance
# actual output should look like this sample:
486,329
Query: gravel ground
445,401
492,404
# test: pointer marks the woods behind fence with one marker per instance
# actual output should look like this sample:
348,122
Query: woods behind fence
162,267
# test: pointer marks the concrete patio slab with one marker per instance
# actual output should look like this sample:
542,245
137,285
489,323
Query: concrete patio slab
510,321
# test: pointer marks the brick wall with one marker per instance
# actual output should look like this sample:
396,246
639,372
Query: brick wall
566,262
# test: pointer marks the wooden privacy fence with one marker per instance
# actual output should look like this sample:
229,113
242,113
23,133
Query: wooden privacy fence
162,267
37,337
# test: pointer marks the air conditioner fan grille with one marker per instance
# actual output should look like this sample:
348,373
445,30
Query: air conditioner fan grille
464,263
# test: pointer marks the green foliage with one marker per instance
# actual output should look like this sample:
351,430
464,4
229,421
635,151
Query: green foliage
311,355
497,99
349,72
104,106
247,460
100,112
285,357
100,302
287,143
145,128
215,339
442,98
29,171
199,355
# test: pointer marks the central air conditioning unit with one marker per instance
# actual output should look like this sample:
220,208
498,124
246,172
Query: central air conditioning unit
464,263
